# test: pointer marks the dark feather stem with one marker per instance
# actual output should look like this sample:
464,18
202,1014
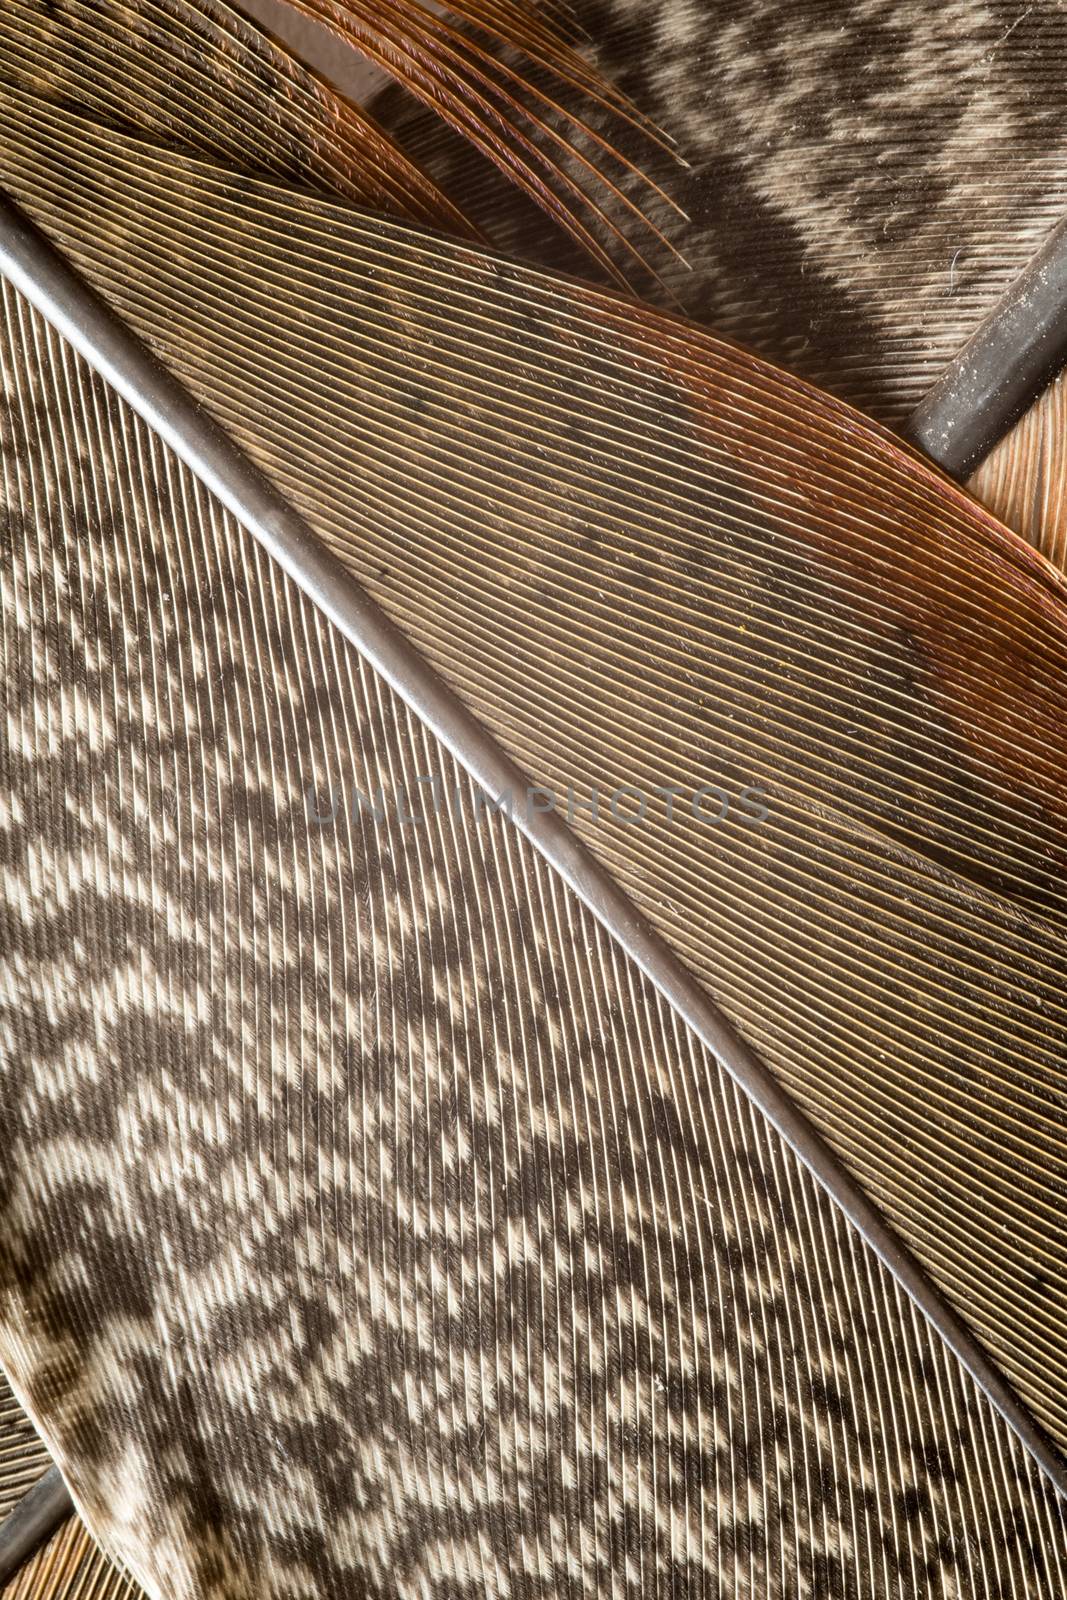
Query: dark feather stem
38,272
1010,358
35,1518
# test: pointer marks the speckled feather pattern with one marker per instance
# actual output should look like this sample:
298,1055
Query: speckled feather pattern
370,1227
572,507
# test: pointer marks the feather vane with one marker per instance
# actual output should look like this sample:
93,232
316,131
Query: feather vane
645,559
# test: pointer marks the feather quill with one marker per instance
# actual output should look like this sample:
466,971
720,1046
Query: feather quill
995,696
651,494
628,1343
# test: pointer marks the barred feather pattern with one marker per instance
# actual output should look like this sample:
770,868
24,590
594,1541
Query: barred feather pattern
370,1225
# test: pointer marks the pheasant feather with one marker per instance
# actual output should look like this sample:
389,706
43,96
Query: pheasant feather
431,1194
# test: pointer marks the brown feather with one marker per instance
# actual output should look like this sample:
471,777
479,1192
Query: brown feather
512,115
1024,480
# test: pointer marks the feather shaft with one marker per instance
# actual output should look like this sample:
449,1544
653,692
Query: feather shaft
36,1517
37,271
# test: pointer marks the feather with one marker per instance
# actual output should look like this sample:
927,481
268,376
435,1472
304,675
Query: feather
23,1458
863,184
32,1521
640,437
1024,481
438,1250
70,1567
242,100
939,684
247,102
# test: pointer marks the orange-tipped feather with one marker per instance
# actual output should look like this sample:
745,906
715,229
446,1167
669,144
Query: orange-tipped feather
506,110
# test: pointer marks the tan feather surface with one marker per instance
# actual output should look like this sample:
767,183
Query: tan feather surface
23,1458
648,559
520,469
371,1225
234,92
231,92
1024,480
71,1566
865,180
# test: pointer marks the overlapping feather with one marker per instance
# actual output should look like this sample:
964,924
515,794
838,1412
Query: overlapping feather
1024,481
371,1224
536,466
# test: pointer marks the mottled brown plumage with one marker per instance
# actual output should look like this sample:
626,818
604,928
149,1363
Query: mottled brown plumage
371,1224
428,1252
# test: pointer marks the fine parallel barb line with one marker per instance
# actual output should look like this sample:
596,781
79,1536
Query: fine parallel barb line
44,278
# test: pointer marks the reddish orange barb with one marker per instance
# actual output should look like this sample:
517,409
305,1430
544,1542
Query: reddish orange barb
571,164
503,74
